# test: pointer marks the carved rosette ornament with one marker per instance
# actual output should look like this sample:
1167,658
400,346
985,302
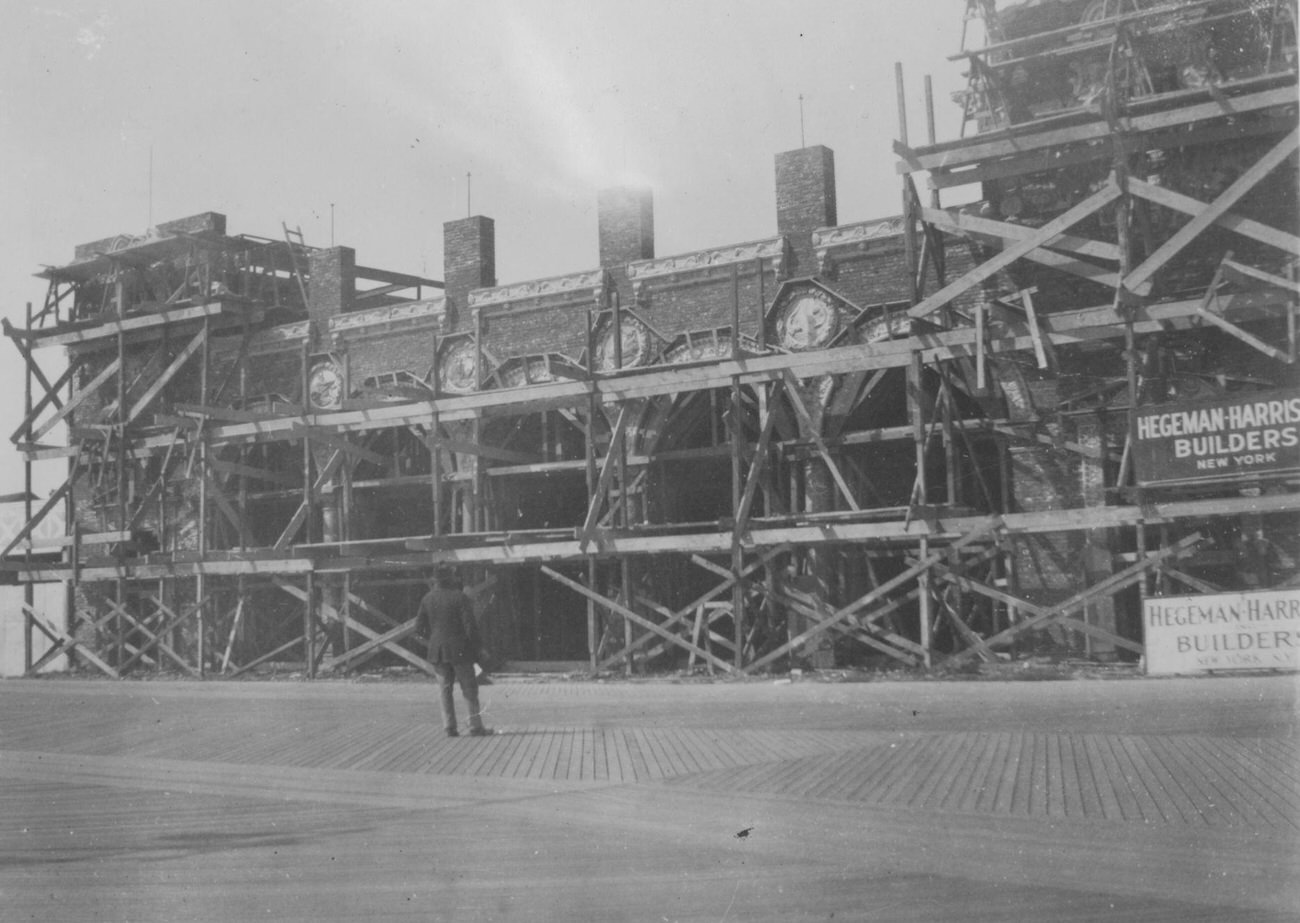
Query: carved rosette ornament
637,344
809,319
325,385
456,368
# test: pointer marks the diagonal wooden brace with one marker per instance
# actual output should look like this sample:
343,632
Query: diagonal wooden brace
168,374
76,400
728,580
607,469
156,639
801,410
988,527
619,609
1035,241
890,644
368,633
300,515
1230,220
51,397
40,514
63,644
1139,280
1117,581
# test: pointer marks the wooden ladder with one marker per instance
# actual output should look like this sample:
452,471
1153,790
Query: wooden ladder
296,244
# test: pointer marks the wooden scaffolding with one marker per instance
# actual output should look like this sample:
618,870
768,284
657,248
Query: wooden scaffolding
807,546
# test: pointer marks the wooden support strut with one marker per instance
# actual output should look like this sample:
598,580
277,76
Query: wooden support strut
801,410
1038,239
63,644
156,638
304,509
607,469
165,378
986,528
815,609
754,475
1247,227
1139,280
368,633
51,397
1120,579
619,609
728,581
44,511
76,400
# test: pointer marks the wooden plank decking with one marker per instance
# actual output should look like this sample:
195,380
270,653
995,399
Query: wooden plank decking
167,801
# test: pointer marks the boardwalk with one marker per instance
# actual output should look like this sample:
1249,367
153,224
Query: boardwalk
1146,800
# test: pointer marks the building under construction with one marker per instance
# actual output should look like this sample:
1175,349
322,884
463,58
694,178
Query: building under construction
956,434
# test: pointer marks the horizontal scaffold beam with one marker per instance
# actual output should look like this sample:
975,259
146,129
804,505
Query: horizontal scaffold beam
426,552
89,331
950,155
1064,329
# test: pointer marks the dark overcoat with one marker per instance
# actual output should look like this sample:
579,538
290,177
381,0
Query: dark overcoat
446,617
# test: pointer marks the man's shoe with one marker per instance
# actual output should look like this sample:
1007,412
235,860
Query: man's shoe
452,732
481,732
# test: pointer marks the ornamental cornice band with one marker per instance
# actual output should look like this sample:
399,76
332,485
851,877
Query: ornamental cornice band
275,339
434,308
592,280
857,233
770,249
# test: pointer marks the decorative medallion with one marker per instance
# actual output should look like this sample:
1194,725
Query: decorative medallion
808,320
325,385
457,369
637,345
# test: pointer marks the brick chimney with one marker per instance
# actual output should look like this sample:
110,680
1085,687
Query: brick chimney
626,219
469,257
331,285
805,200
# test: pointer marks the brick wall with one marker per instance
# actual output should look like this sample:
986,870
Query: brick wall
532,331
705,305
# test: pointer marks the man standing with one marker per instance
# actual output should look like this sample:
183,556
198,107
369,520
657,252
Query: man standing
446,616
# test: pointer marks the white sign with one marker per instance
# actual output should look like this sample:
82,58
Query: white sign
1227,631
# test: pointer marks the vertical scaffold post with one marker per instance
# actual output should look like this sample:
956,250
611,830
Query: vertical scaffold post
476,518
309,625
200,582
29,592
1124,302
909,211
737,552
916,409
435,453
119,624
589,447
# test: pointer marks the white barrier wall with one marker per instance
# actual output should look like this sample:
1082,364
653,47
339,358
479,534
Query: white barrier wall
51,602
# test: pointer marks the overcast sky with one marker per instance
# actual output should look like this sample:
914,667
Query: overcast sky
272,111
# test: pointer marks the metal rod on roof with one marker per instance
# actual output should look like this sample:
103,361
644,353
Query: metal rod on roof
902,102
929,110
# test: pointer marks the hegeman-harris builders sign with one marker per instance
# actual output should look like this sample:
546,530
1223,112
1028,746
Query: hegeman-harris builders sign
1255,432
1258,630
